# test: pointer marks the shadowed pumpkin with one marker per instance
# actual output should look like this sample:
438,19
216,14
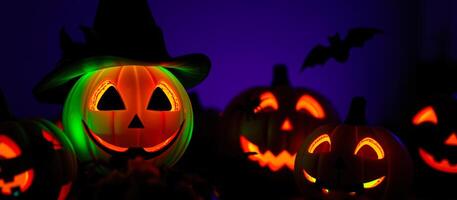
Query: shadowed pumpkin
268,124
353,161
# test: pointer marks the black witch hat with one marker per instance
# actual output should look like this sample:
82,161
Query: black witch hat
124,33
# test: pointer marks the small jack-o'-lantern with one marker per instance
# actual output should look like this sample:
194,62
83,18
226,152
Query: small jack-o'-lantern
124,94
270,123
36,160
434,128
353,161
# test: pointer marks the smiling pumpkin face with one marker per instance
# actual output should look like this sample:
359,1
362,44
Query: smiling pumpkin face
353,161
36,160
268,124
434,127
20,182
134,110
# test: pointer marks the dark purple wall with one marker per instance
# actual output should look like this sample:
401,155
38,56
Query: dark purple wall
244,39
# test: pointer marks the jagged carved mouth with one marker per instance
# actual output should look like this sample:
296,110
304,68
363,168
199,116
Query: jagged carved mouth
151,151
267,158
442,165
21,182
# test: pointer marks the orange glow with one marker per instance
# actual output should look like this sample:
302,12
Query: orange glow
371,143
108,145
308,103
23,181
451,140
318,141
427,114
162,144
64,190
309,177
8,148
50,138
352,193
275,163
325,190
99,93
443,166
171,96
373,183
287,125
267,100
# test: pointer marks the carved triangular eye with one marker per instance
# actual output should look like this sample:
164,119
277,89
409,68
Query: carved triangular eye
111,100
159,101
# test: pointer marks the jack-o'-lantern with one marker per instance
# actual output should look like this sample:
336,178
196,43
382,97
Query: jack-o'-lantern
434,127
136,110
125,95
36,160
268,124
353,161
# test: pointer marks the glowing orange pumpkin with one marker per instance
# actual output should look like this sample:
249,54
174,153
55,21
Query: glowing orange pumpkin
36,161
21,181
436,136
134,110
268,124
353,161
123,94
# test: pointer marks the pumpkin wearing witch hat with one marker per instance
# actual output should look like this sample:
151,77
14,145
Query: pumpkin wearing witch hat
123,94
37,161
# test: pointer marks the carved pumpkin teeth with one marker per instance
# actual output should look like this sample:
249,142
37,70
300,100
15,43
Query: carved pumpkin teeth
442,165
150,149
274,162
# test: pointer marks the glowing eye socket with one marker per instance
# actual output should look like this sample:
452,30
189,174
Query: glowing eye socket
425,115
321,144
107,98
325,190
163,99
370,142
268,102
8,148
307,103
50,138
373,183
309,177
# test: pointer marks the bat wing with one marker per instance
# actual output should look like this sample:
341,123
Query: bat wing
318,56
358,36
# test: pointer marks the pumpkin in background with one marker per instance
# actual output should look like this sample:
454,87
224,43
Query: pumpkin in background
434,127
431,134
123,94
353,161
268,124
36,159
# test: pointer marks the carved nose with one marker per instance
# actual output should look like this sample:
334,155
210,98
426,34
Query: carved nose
451,140
339,164
287,125
136,122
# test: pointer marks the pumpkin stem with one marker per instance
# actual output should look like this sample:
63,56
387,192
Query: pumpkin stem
5,113
280,76
356,114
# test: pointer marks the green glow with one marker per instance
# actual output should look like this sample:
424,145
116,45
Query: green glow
87,150
72,116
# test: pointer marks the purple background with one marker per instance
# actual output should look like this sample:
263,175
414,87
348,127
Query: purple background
244,39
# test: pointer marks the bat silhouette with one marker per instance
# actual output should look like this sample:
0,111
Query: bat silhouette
339,49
